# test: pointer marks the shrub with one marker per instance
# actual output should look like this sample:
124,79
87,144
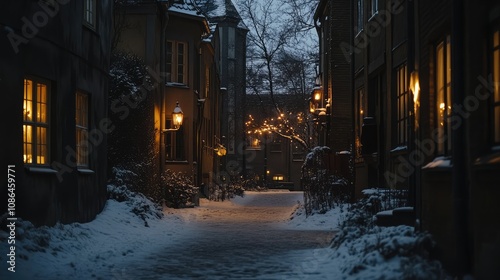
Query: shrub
321,188
179,189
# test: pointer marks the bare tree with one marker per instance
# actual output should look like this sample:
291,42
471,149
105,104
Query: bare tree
278,62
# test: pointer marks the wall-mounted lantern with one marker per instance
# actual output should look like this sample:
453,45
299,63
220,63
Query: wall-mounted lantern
219,149
177,118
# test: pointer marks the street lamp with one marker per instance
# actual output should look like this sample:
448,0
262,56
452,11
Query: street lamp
177,118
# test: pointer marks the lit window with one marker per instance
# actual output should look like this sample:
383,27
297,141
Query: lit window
35,122
278,178
174,143
82,129
402,95
443,95
496,79
176,62
361,108
89,12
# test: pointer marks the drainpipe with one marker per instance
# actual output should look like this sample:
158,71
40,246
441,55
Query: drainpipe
164,22
460,182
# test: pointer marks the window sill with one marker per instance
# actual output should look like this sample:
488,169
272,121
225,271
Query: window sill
372,18
41,170
85,171
399,150
488,161
177,85
176,162
439,163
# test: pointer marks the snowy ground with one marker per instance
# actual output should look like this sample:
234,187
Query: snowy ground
254,237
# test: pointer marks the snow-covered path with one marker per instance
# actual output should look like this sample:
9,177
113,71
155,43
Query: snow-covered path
243,239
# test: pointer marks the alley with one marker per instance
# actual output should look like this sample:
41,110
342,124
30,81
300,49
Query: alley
243,239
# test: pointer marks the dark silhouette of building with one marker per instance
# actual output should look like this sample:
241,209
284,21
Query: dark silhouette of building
54,71
426,115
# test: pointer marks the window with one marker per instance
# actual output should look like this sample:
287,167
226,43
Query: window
402,95
373,8
89,13
496,79
177,62
36,113
443,95
174,143
359,15
254,142
82,128
361,109
276,146
297,152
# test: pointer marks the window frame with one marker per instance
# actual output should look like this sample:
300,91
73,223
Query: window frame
372,8
360,12
174,139
443,95
82,160
172,63
402,100
35,124
90,13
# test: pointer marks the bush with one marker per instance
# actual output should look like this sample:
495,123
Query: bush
321,188
131,110
179,189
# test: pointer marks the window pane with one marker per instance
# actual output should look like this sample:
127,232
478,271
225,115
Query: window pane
497,124
440,105
169,58
496,73
27,144
41,145
41,102
28,100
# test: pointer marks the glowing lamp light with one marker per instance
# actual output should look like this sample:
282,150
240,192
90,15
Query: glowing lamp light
221,151
177,116
316,93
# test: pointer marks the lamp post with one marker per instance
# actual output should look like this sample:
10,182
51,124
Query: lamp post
177,118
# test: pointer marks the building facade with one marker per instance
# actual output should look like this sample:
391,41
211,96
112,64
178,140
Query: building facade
426,119
54,66
230,33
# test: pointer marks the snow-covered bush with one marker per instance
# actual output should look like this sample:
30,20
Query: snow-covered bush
179,189
140,205
322,189
223,191
365,248
131,111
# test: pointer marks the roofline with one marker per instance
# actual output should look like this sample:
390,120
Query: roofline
319,9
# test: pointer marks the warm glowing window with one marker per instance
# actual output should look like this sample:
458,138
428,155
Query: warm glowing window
361,107
174,143
496,94
82,128
177,62
35,122
402,95
89,13
278,178
443,95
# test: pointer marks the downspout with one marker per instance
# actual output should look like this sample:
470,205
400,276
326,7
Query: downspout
164,22
460,181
